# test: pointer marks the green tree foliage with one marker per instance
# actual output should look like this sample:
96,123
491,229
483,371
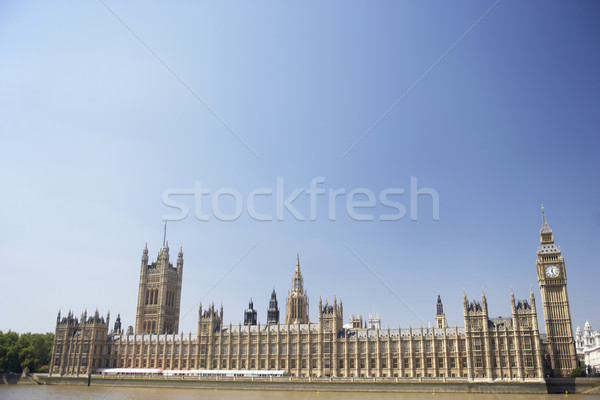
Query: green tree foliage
31,350
577,372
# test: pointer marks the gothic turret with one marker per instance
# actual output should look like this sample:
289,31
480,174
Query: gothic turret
273,311
210,320
440,317
331,317
356,321
250,314
476,313
117,327
180,258
374,322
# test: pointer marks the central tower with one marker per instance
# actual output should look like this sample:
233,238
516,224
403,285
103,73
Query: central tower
297,302
552,278
159,294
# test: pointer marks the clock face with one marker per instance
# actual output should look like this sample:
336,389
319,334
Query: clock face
551,271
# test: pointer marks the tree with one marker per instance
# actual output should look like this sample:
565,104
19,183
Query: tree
578,372
9,357
31,350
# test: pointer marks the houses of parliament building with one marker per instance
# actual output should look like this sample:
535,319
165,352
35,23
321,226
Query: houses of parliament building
485,348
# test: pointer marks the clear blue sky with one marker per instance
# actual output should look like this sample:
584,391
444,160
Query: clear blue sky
97,120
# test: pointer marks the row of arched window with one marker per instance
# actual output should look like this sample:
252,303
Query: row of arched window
152,297
149,326
170,299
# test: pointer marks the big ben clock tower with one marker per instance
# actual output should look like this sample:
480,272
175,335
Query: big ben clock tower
552,278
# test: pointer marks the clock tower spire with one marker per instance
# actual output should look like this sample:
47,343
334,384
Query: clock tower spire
552,278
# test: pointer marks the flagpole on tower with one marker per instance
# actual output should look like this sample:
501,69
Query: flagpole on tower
165,234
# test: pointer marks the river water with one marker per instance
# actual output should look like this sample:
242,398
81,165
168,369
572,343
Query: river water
22,392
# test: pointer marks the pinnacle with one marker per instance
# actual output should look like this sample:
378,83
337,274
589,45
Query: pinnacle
545,227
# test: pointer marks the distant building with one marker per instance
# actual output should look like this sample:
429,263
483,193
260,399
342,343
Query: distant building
485,348
588,346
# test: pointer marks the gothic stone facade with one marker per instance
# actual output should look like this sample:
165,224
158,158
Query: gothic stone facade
79,344
485,348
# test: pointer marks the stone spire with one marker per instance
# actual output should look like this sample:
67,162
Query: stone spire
145,257
297,302
440,317
439,306
546,236
180,258
545,228
117,327
297,281
513,304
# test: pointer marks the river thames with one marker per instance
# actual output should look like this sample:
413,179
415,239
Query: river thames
21,392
